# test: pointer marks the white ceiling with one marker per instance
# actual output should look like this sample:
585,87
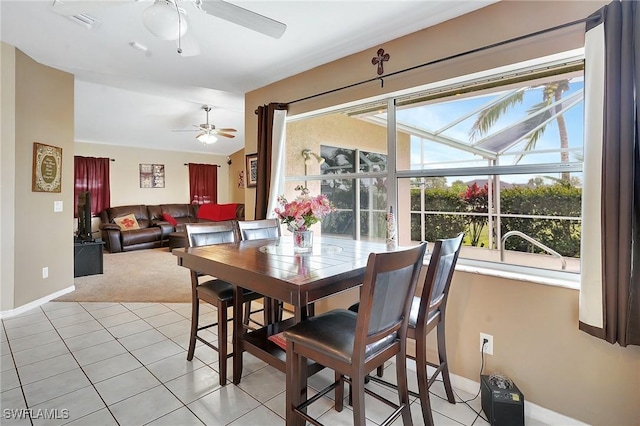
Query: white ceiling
127,97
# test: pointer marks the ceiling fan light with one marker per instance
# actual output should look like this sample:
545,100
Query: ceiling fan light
164,21
207,138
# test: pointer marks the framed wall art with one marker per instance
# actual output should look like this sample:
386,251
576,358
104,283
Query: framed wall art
252,170
47,168
151,175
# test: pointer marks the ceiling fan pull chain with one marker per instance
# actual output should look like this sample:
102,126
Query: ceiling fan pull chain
179,28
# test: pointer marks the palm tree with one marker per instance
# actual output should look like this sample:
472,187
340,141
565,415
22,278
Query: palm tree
551,93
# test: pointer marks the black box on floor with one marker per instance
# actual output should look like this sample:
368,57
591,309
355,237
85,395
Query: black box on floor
502,406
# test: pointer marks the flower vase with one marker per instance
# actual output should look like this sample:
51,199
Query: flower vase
302,241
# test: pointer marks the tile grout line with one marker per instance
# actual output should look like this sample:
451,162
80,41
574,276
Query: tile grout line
166,338
24,397
82,369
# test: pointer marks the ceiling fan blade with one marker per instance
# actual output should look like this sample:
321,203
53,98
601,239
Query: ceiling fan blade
243,17
226,135
226,130
186,130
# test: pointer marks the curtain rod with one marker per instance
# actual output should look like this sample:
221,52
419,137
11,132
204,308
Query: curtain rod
457,55
217,165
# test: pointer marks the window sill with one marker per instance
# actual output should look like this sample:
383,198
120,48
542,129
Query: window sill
520,273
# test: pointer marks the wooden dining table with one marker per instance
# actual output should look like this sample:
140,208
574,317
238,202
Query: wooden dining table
272,268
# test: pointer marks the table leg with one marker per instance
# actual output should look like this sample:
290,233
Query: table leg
238,332
296,377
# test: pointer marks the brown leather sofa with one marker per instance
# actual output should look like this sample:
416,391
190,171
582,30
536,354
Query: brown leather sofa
154,230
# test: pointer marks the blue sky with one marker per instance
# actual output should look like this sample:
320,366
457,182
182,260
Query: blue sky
435,116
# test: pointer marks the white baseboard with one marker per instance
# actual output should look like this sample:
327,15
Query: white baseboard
35,303
531,410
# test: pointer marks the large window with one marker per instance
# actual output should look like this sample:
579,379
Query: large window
499,159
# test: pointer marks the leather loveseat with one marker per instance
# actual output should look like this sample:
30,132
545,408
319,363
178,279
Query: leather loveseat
152,230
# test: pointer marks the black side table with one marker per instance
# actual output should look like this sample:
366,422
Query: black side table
87,258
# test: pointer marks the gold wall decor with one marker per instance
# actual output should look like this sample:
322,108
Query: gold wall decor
47,168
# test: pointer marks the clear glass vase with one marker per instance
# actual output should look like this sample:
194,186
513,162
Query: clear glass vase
302,241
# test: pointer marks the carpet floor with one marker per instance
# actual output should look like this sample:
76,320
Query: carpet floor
150,275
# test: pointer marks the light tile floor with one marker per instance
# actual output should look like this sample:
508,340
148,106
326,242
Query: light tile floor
125,364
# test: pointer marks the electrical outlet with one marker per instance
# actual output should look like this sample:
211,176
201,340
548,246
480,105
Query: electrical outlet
45,272
487,348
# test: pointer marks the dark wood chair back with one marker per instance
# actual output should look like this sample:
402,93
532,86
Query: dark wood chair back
387,292
438,280
259,229
209,233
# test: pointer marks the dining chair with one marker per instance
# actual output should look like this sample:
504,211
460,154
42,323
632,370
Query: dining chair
214,291
353,344
428,311
257,230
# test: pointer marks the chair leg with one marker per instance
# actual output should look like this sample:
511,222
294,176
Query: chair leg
357,398
311,309
442,356
339,394
247,313
403,388
423,388
296,388
267,313
222,342
195,313
380,371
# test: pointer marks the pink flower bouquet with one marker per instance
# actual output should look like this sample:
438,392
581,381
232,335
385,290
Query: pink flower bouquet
304,211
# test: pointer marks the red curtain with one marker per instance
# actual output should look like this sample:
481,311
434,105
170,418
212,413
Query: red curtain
92,174
203,183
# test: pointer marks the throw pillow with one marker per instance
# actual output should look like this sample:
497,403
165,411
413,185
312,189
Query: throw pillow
169,218
127,223
217,212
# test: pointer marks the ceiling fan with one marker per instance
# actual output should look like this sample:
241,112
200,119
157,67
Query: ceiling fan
167,20
208,132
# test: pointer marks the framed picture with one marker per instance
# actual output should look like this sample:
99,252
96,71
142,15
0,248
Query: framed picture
151,175
252,170
47,168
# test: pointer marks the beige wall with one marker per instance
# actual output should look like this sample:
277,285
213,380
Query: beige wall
236,191
535,327
7,173
37,104
42,111
125,173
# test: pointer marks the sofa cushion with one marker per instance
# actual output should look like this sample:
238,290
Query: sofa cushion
140,236
217,212
178,211
127,222
170,219
139,210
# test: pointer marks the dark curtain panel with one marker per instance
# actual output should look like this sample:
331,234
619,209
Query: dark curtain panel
91,174
203,183
265,134
620,198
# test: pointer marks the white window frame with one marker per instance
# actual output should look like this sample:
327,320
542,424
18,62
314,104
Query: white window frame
503,270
